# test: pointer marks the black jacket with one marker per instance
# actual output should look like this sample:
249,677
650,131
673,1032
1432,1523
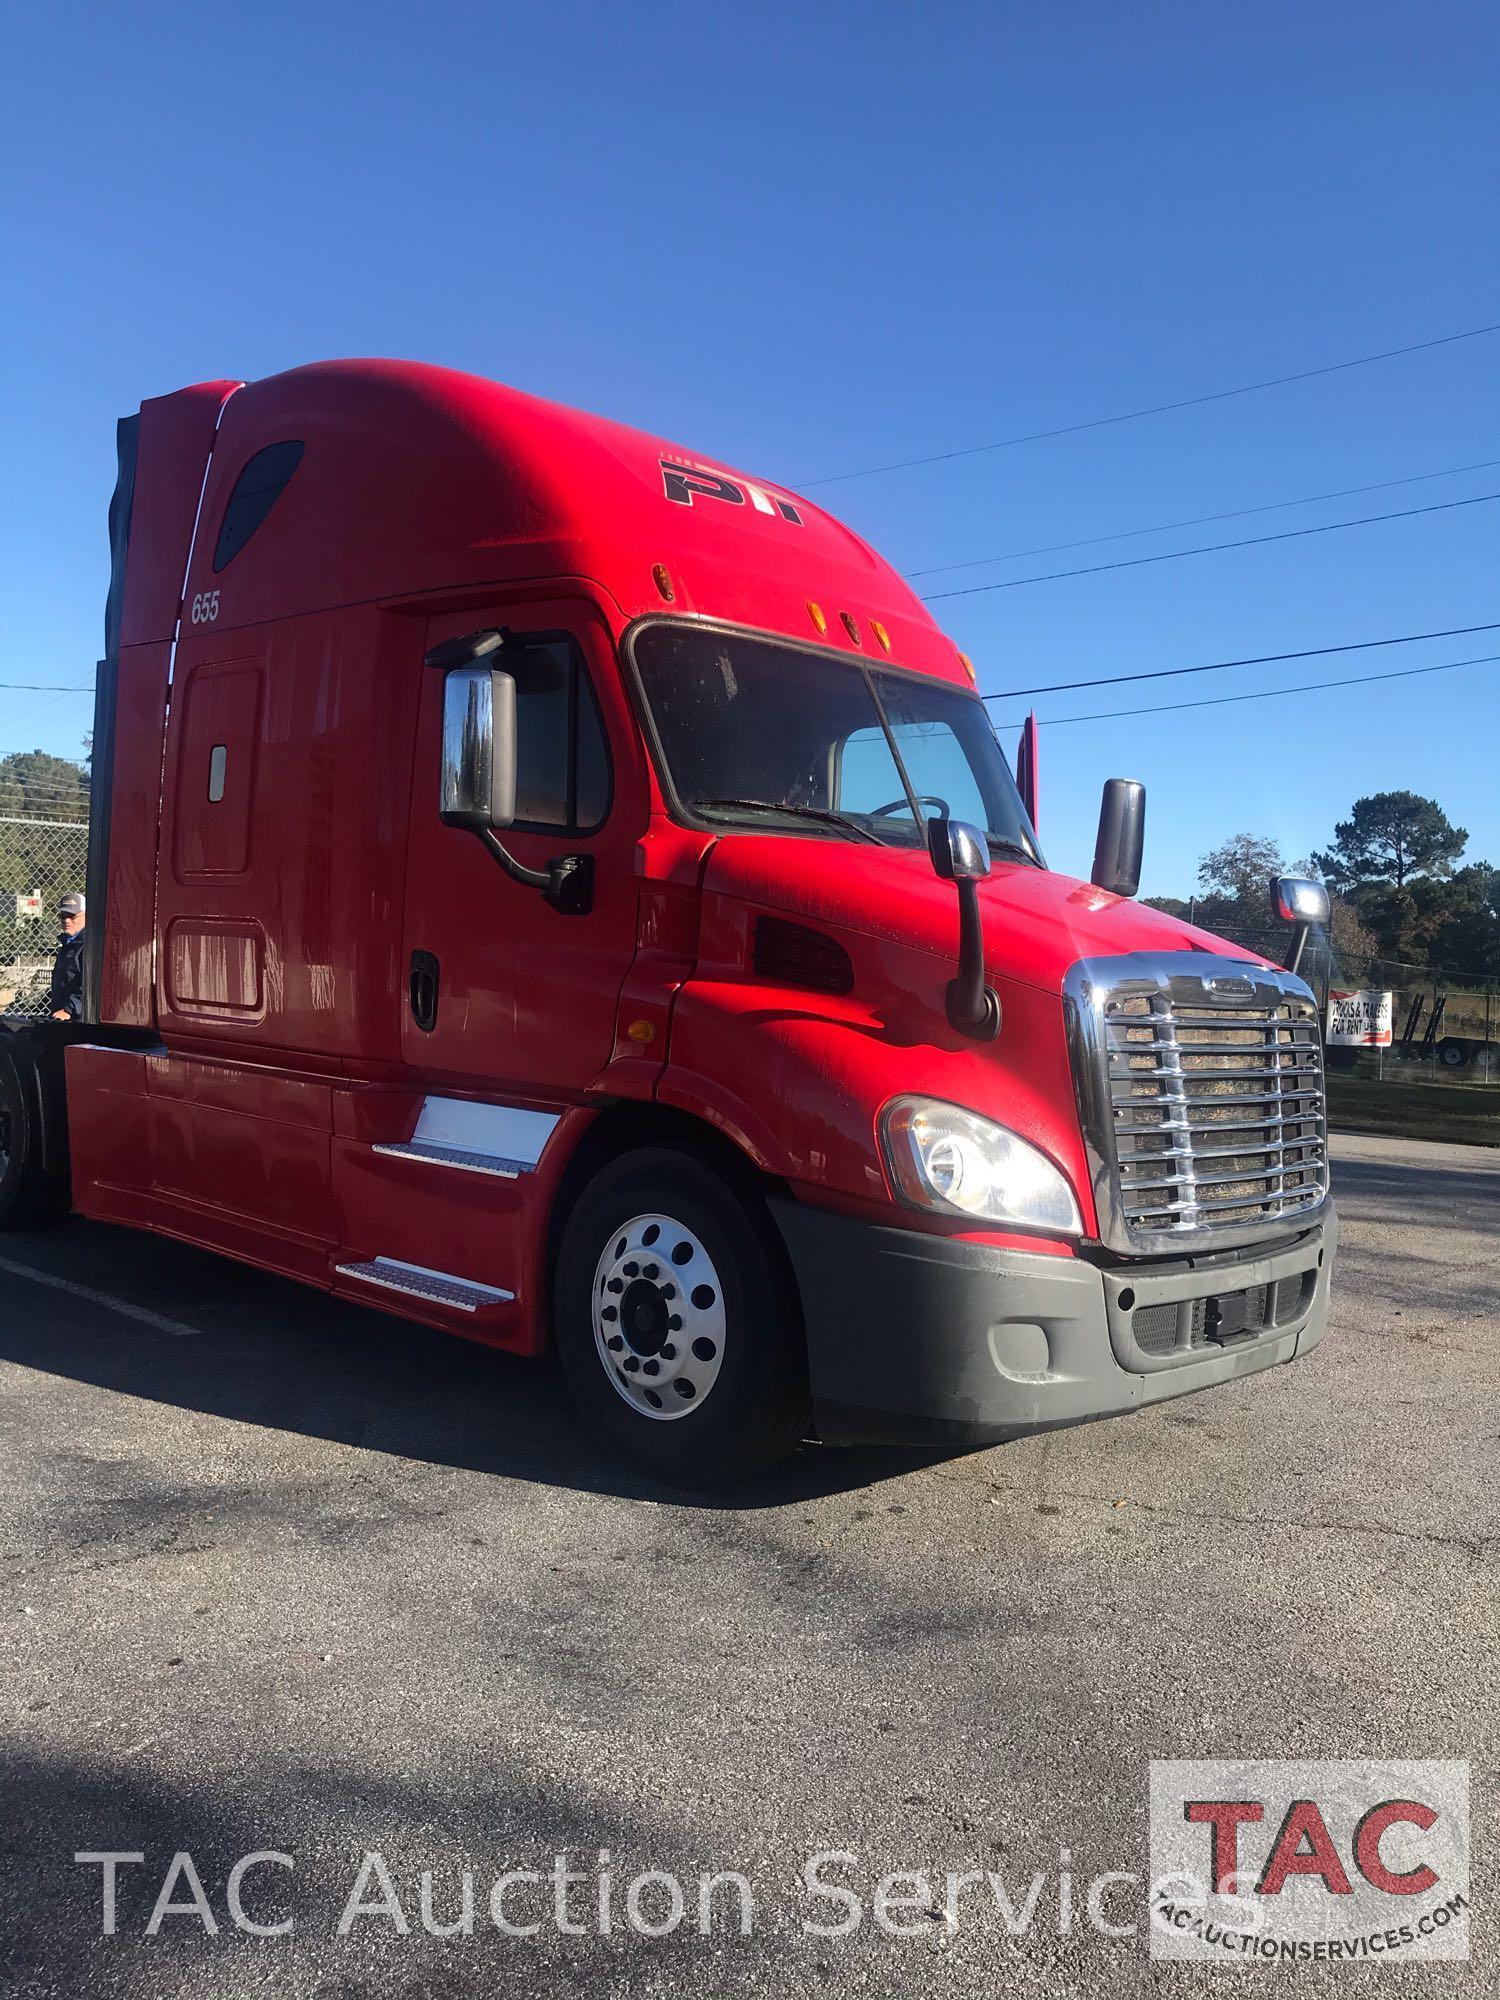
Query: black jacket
67,978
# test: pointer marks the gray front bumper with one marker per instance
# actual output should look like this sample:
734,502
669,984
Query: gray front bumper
920,1339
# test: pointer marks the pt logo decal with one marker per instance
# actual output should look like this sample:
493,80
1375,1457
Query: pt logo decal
684,483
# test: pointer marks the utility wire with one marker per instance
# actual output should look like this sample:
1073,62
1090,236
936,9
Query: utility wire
1200,520
1208,548
45,687
1266,694
1253,660
1153,409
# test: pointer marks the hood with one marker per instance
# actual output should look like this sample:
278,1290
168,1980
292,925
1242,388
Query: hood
1036,924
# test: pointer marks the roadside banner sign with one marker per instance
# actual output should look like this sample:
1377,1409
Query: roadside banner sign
1359,1020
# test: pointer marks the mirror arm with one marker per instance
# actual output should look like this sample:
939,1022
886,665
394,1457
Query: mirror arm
567,882
973,1007
1294,950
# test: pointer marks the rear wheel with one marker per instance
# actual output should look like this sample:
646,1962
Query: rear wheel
27,1193
1452,1054
676,1322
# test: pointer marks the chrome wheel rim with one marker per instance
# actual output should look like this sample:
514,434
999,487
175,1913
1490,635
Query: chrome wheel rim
658,1315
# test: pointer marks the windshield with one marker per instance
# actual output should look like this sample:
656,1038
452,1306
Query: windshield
765,734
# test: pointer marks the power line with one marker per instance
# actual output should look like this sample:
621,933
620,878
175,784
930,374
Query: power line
1252,660
1199,520
1153,409
1266,694
1208,548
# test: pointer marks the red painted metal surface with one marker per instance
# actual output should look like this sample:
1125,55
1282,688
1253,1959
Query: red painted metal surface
419,480
277,858
176,437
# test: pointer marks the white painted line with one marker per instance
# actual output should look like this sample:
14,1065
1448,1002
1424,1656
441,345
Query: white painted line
175,1327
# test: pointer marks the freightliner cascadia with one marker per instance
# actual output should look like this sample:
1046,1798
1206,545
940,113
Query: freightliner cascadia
554,887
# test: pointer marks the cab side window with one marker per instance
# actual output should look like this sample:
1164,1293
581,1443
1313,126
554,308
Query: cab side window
256,491
562,763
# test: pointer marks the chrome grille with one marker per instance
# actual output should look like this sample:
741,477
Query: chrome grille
1200,1085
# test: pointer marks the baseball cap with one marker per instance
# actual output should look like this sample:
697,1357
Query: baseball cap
71,905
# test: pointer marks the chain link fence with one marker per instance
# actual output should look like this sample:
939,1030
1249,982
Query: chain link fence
40,860
1440,1078
1464,1001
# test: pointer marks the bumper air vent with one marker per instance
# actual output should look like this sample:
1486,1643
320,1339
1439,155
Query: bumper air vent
795,955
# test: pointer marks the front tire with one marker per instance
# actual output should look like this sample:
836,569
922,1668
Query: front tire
676,1321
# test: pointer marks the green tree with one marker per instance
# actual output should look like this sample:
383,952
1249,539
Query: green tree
1391,837
1457,922
1241,870
36,785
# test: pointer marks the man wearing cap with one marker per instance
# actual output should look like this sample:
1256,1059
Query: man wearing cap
67,973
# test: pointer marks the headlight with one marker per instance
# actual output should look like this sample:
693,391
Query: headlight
945,1158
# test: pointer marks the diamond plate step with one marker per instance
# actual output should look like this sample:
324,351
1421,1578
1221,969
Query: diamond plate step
455,1156
438,1287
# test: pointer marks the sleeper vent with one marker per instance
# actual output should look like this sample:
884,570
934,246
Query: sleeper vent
797,956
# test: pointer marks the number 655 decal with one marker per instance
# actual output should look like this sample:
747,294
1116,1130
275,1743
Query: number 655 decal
205,607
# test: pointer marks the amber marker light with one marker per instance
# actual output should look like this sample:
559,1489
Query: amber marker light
851,625
663,581
968,666
815,613
641,1032
881,634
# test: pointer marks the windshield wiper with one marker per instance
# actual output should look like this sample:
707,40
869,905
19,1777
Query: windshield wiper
999,843
822,813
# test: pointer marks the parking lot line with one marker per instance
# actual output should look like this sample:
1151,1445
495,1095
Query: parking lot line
176,1327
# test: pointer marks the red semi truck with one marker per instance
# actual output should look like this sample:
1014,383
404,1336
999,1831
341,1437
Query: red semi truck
554,887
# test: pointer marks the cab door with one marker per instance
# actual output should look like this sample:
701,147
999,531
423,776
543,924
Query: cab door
503,993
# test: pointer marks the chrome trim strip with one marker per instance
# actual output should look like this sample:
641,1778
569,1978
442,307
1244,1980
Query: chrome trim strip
1196,991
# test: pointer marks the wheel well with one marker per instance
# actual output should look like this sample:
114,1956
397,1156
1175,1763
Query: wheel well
621,1128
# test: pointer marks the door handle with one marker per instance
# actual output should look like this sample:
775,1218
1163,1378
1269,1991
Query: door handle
422,990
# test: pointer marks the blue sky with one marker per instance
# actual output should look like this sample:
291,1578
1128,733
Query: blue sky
809,240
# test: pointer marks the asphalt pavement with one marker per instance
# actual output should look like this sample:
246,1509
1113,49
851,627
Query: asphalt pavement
285,1576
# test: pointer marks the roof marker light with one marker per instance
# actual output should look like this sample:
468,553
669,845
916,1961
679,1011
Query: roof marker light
881,634
663,580
851,626
815,613
968,666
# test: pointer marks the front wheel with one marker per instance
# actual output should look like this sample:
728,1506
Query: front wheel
676,1323
1453,1055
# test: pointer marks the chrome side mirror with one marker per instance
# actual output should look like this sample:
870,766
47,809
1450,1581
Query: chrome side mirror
959,852
1296,900
477,785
